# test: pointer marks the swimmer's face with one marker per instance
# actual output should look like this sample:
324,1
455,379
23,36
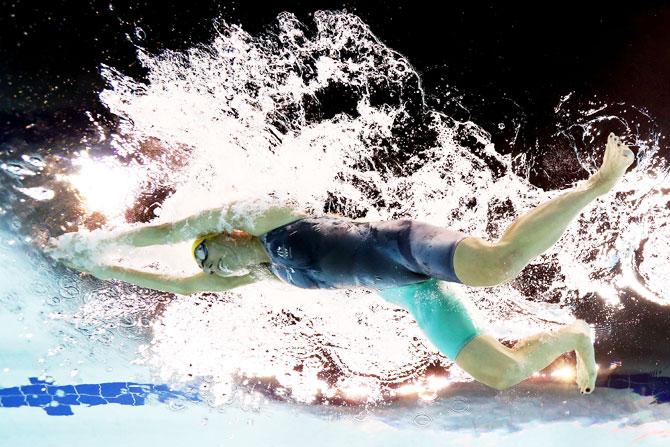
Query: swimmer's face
224,256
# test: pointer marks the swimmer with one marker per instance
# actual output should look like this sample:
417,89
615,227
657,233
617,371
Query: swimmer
403,260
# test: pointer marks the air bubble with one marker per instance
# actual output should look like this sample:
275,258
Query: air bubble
459,405
17,170
34,160
422,420
176,405
139,33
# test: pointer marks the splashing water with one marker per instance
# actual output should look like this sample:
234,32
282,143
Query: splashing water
329,117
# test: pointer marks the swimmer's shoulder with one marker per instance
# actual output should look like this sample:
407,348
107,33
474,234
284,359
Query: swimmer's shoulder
341,217
299,215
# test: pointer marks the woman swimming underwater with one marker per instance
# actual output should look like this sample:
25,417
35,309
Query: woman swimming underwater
403,260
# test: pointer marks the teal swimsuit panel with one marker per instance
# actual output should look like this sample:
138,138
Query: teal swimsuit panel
440,314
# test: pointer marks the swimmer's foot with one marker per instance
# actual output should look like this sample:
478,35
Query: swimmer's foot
618,157
587,369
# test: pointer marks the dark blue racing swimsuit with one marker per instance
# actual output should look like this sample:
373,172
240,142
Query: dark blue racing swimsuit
330,252
403,259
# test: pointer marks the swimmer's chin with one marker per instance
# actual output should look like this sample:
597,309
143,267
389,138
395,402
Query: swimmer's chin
261,272
235,274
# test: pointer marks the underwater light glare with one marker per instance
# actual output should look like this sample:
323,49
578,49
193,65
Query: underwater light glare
104,185
566,373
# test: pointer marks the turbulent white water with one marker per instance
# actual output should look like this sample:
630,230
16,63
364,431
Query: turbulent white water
248,117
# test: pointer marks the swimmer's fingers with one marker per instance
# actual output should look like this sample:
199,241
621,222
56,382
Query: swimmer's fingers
80,265
69,263
50,246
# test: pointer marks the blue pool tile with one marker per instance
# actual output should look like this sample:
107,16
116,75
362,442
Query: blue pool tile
33,389
114,388
124,399
93,390
58,400
67,389
67,399
10,391
13,401
61,410
140,389
38,400
92,400
161,388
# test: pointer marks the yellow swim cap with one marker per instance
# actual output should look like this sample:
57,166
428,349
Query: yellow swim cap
198,241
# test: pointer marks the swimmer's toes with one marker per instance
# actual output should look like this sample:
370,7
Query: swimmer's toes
582,327
591,368
628,154
582,376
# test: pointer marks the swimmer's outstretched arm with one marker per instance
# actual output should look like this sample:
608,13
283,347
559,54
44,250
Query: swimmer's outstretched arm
233,216
200,282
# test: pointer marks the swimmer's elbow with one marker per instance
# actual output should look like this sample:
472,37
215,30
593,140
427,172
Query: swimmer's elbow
182,286
183,289
189,286
260,221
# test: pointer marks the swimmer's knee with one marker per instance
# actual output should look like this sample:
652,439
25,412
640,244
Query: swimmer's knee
490,362
510,375
507,260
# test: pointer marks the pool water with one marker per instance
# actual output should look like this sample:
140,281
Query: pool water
246,116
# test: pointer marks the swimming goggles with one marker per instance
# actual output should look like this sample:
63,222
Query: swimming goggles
201,253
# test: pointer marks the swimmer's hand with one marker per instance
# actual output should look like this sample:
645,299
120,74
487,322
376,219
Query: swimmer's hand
81,265
51,246
100,272
70,245
73,250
